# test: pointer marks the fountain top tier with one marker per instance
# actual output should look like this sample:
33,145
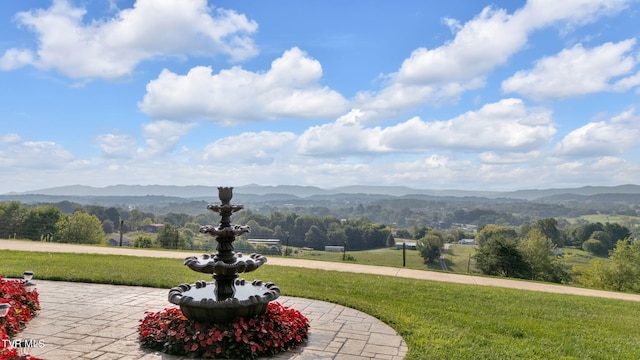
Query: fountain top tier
226,261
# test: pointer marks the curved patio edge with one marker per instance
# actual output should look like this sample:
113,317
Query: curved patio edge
96,321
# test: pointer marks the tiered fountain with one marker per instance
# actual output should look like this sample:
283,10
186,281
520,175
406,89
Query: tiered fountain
228,297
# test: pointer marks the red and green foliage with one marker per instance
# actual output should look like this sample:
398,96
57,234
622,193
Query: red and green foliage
279,329
23,307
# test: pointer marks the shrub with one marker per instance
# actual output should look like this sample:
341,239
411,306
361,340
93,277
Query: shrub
595,247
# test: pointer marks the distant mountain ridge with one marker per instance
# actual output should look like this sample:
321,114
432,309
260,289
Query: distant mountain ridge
583,191
211,192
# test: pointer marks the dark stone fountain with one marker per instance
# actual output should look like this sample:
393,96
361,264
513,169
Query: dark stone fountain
228,297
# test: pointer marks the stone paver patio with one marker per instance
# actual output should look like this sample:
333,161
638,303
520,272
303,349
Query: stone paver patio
94,321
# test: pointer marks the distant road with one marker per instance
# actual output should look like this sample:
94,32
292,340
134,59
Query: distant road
443,261
324,265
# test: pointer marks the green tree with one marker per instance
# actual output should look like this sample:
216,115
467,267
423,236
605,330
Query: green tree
625,264
143,241
194,227
596,247
582,233
354,236
375,236
316,238
420,232
616,232
391,241
549,227
12,216
258,230
495,231
108,226
113,214
79,228
336,234
40,223
186,239
135,219
536,249
300,228
598,244
177,219
430,246
501,256
620,273
169,237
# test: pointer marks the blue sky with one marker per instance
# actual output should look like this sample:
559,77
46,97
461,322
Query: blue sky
499,95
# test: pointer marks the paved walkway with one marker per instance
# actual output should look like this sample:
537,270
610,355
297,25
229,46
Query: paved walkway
95,321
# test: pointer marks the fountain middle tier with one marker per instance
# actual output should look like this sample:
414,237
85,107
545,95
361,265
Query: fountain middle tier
214,264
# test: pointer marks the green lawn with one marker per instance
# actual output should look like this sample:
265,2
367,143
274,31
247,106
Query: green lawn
604,218
379,257
577,257
459,258
437,320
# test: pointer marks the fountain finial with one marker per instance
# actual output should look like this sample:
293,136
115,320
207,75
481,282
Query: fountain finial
225,194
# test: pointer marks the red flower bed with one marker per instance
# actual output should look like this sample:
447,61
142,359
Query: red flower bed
278,329
23,307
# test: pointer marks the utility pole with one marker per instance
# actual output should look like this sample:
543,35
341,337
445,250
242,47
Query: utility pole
404,254
121,223
344,251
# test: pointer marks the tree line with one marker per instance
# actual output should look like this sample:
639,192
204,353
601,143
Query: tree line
527,252
49,223
68,222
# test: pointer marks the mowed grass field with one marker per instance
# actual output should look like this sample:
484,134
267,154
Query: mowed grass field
380,257
459,258
437,320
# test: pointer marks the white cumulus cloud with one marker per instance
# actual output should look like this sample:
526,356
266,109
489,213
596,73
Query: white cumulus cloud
290,89
16,154
163,135
345,137
578,71
603,138
507,125
10,138
113,47
432,76
250,148
117,146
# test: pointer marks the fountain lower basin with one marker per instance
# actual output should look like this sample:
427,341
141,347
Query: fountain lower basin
199,301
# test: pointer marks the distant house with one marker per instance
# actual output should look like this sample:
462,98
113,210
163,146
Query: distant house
268,242
152,228
410,245
467,242
334,248
557,252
